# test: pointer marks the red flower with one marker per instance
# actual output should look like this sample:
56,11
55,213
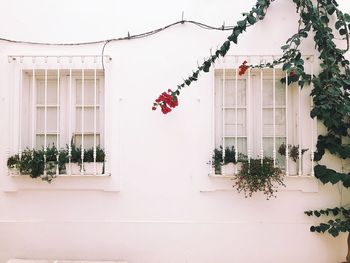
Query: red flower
166,101
292,73
243,68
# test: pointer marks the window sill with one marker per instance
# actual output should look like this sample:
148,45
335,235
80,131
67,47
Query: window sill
88,182
304,183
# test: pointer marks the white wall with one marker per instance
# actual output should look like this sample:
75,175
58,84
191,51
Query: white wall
160,205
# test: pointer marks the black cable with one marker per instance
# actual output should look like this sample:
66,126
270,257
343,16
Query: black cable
129,37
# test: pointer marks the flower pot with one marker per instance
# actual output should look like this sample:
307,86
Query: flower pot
293,167
230,168
14,171
89,168
73,168
50,167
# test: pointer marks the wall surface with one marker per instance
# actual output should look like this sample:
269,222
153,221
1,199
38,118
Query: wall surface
166,210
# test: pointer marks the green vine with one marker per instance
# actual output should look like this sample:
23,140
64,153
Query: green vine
331,86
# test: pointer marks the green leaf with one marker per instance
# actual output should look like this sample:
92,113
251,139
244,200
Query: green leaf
284,47
324,227
251,19
333,231
342,31
324,19
286,66
242,24
338,24
233,38
347,18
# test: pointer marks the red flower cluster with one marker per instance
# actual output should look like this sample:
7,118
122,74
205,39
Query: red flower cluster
243,68
166,101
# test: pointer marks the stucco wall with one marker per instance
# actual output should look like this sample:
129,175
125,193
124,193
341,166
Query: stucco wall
160,205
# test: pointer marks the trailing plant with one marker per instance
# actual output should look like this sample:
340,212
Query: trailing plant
339,223
293,151
258,175
331,86
32,162
218,160
43,163
89,155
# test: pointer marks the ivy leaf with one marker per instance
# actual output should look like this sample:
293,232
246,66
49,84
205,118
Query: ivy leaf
286,66
224,48
347,18
233,38
333,231
324,19
206,66
284,47
242,24
342,31
251,19
316,213
324,227
338,24
309,213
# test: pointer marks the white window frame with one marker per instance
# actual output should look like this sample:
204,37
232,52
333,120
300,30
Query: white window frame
22,68
226,69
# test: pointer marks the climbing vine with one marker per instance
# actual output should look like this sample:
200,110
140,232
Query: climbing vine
331,86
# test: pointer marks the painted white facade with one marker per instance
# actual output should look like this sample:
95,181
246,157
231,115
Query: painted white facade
158,205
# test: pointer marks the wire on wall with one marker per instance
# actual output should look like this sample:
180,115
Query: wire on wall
128,37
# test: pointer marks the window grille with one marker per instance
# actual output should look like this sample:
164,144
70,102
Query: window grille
61,102
255,113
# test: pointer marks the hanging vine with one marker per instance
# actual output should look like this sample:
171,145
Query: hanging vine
331,86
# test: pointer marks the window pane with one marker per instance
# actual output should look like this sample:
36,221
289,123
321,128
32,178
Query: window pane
89,92
230,93
231,123
50,140
88,140
51,119
280,93
280,122
241,144
268,149
51,92
88,119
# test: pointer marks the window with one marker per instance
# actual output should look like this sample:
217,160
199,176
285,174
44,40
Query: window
61,103
256,113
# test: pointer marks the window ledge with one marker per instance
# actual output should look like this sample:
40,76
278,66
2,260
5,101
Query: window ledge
304,183
63,175
88,182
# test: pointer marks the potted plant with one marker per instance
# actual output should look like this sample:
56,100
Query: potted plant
226,165
76,165
256,175
73,164
91,167
13,164
32,163
295,161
